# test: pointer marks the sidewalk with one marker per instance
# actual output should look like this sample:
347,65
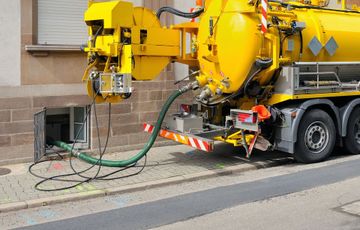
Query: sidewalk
165,165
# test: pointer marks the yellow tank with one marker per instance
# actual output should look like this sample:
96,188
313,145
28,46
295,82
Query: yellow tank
230,41
227,44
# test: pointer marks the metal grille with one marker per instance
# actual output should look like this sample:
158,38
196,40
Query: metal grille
40,135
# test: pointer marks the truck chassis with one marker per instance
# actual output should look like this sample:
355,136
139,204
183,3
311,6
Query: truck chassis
314,107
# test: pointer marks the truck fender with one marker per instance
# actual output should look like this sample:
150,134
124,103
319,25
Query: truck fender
306,105
345,113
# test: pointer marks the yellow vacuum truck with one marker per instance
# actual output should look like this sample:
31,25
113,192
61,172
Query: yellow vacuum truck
268,74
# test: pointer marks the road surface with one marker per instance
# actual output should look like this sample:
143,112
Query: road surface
318,196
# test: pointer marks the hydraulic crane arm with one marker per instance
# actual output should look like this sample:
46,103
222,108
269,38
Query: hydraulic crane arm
128,43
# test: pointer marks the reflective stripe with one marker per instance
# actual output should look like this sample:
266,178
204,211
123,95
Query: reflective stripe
192,143
202,146
183,139
264,5
147,127
197,144
207,146
175,137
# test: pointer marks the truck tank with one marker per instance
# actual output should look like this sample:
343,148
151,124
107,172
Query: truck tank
273,75
232,50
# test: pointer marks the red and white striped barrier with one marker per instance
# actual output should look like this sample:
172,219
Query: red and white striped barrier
148,128
264,9
192,10
186,139
199,144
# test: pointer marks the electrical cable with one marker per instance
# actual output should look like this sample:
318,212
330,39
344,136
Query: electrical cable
188,76
301,44
101,152
101,178
250,79
282,43
58,177
178,12
88,179
45,179
96,35
124,163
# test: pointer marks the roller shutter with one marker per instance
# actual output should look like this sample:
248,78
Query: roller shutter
60,22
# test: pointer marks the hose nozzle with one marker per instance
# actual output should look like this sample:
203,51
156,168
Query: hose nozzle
191,86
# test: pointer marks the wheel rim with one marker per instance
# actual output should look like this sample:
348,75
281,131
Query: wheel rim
317,136
357,131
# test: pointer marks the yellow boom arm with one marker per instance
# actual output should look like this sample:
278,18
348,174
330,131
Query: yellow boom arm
128,43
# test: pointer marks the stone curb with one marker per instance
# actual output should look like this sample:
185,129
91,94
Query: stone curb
140,186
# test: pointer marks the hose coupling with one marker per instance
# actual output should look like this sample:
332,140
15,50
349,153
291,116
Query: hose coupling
191,86
77,153
204,95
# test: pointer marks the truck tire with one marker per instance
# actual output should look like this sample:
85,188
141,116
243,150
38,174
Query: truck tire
352,139
316,137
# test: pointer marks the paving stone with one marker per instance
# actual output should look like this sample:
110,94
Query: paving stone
164,163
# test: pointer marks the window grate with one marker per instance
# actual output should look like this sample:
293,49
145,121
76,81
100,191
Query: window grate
40,135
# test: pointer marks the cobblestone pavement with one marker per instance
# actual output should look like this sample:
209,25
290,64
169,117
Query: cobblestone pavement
162,163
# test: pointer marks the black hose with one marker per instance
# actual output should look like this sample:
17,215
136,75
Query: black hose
261,64
301,44
178,12
282,43
283,4
251,78
264,63
96,35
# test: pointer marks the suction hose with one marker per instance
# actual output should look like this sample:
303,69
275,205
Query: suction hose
124,163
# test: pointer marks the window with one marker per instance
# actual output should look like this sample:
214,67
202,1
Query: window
62,22
64,124
78,130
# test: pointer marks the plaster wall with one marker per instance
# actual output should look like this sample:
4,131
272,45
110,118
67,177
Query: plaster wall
10,43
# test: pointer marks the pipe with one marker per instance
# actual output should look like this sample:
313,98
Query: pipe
178,12
124,163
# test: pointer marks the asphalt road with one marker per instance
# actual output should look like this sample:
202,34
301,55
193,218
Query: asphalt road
192,205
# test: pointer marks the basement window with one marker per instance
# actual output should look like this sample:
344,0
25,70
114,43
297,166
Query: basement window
68,125
79,131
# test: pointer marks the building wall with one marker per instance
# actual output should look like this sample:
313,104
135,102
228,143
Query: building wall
350,3
53,79
10,43
39,68
31,81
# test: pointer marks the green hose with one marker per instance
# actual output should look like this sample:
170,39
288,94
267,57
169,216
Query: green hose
124,163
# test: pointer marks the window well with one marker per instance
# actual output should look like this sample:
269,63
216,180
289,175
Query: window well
61,124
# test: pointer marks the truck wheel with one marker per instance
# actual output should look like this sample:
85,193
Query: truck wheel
352,140
316,137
